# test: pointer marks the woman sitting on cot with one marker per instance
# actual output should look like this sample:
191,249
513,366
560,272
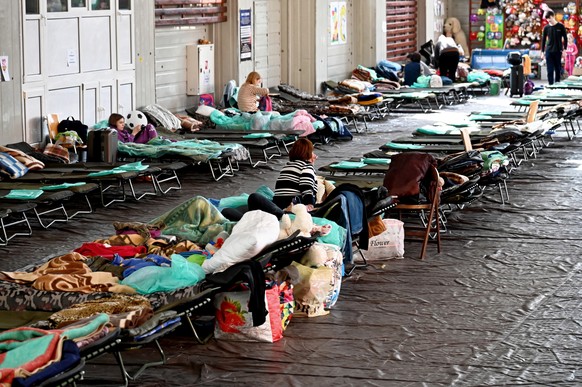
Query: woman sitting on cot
296,184
140,131
250,92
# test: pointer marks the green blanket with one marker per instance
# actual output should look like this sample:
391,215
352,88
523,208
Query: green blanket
196,220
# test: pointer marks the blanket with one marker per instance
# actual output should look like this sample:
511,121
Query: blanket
69,273
296,120
196,220
197,150
26,350
124,311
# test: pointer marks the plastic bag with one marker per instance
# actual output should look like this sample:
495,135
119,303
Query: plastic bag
234,320
389,244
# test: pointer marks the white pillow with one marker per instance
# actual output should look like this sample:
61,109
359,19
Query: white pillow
255,231
205,110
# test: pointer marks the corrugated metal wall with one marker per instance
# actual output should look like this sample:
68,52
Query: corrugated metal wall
401,20
11,128
171,69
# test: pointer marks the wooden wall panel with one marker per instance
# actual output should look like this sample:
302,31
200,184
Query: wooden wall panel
401,20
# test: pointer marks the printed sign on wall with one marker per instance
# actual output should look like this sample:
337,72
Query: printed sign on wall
246,35
338,22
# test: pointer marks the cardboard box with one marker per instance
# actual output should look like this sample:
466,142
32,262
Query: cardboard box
577,71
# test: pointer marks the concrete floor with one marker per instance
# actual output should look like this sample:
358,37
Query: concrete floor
499,306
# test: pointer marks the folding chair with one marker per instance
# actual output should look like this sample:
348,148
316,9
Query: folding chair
428,214
53,124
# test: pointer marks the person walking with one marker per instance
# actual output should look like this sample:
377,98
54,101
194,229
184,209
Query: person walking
554,40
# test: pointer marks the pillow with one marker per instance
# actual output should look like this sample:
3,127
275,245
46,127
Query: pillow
11,167
205,110
256,230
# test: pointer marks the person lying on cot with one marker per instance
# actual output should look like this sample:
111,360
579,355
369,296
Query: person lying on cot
140,131
296,184
250,92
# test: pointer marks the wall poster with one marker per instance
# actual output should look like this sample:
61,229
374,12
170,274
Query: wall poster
338,22
5,72
246,35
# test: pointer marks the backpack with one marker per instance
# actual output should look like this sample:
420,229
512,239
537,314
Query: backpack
71,124
436,81
266,104
528,87
229,90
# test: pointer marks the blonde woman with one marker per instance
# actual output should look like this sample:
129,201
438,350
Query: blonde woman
250,92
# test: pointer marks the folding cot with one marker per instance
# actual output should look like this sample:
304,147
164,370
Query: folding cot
425,148
289,99
406,101
267,143
51,194
347,207
160,173
114,182
219,157
49,206
179,305
358,166
14,215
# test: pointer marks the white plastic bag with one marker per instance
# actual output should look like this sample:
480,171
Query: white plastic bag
389,244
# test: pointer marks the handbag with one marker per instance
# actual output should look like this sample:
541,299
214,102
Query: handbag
71,124
388,244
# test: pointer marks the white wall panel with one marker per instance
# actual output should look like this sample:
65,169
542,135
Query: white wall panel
96,52
90,102
63,51
32,47
125,95
33,106
64,102
125,49
107,103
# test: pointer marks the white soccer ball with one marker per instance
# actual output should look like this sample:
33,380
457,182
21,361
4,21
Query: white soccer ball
136,118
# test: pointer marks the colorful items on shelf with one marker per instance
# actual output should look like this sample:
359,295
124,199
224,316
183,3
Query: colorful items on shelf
494,28
523,23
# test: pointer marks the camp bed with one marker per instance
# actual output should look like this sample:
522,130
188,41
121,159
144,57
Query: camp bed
428,148
219,157
264,143
79,189
359,166
407,101
49,206
14,214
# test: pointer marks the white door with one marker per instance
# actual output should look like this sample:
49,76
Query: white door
75,53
